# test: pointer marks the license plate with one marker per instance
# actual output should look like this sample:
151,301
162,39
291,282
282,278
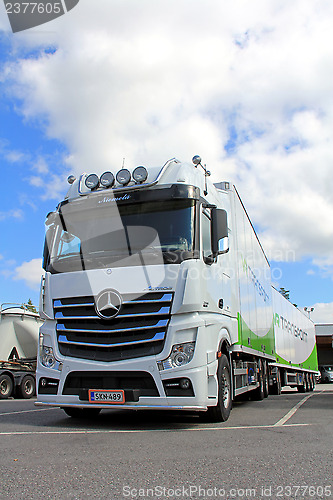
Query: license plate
106,396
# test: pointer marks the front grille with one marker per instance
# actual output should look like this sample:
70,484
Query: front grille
138,330
77,382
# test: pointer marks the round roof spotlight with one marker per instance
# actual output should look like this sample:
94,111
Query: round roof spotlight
92,181
123,176
196,160
71,179
140,174
107,179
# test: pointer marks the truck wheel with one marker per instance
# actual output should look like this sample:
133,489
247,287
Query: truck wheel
221,412
27,387
276,388
6,386
82,412
312,383
307,383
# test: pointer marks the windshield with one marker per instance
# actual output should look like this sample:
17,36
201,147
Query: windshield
141,233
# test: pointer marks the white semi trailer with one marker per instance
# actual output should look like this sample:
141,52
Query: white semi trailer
157,295
19,330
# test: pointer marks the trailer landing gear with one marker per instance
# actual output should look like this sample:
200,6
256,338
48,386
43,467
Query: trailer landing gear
259,393
276,387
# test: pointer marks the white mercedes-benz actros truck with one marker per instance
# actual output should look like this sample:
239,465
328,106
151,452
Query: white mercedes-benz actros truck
157,295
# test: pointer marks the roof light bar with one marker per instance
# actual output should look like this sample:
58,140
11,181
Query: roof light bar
123,177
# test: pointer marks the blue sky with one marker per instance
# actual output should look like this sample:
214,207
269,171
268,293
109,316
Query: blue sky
246,87
26,153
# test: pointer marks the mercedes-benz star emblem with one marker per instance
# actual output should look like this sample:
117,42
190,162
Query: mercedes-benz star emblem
108,304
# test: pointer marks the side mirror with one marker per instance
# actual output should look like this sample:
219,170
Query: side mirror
47,245
51,218
219,220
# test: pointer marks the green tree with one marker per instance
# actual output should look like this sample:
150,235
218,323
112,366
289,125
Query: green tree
284,292
31,307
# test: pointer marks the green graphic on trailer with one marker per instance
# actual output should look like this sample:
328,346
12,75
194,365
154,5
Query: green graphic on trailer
311,363
262,344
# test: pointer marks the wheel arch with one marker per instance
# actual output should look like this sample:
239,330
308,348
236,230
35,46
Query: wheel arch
224,342
9,373
224,348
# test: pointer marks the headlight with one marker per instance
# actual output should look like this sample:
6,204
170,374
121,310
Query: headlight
46,355
181,355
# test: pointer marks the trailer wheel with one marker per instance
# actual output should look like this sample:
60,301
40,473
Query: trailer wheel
312,382
276,388
6,386
308,383
81,412
221,412
27,387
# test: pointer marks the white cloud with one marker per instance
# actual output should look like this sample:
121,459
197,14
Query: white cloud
36,181
54,187
12,155
151,80
7,267
25,200
323,313
15,157
41,166
30,272
14,213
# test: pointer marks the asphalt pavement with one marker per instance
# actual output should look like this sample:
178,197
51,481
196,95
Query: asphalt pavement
278,448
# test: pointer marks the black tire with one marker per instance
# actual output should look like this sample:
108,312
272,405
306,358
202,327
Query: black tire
307,382
27,387
221,412
84,413
258,394
276,388
6,386
312,382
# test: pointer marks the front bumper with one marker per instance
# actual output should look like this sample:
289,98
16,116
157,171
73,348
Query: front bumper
124,407
203,387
